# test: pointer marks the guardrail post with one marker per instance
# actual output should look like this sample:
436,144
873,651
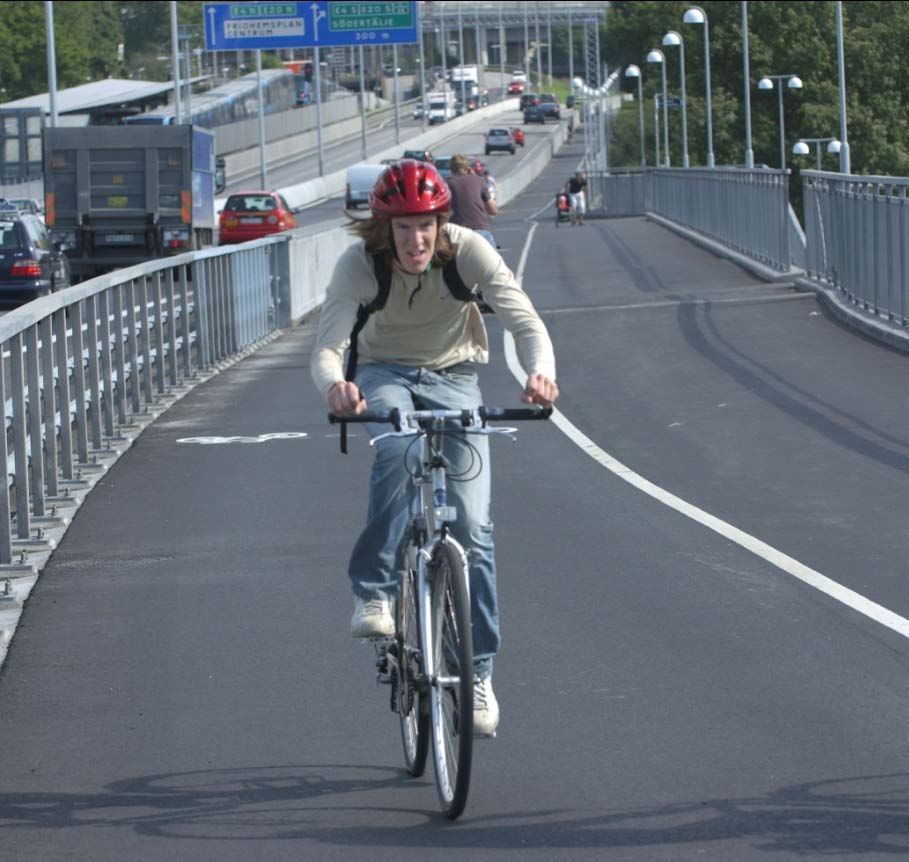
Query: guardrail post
133,347
146,342
6,538
107,377
49,405
36,444
184,314
17,381
79,381
120,342
171,328
63,394
159,332
94,374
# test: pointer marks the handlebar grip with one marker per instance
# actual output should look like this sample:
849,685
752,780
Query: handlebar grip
515,414
392,417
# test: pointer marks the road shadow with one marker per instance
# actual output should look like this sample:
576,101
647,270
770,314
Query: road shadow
342,805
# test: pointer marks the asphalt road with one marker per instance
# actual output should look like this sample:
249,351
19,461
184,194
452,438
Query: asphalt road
185,687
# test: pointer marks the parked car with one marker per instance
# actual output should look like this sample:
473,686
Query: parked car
30,264
549,106
418,112
515,88
533,114
418,155
443,166
529,99
498,140
518,134
360,182
253,214
27,205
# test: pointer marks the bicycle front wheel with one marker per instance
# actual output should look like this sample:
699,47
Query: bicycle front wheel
412,706
451,691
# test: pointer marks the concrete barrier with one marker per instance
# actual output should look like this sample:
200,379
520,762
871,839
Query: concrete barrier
331,185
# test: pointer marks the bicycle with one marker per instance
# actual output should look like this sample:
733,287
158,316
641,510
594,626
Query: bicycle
429,661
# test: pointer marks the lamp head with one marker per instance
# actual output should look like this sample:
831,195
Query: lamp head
632,72
655,56
765,84
801,149
794,83
672,38
694,15
834,146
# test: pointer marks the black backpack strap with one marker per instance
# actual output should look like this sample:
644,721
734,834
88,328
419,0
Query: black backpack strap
383,278
459,290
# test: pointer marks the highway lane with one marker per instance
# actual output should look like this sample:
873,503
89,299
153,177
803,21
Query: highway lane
468,142
187,688
346,152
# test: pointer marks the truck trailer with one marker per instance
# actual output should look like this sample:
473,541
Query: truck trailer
116,196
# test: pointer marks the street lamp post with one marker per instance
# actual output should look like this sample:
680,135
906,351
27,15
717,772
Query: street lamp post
657,56
634,72
696,15
749,152
794,82
845,167
673,38
801,147
656,127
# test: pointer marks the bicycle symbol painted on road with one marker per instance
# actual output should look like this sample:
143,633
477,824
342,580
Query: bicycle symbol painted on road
262,438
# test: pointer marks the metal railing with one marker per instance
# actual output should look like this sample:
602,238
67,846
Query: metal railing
79,367
744,210
857,239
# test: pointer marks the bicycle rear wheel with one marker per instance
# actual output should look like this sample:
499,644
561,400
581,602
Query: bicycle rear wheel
413,707
451,692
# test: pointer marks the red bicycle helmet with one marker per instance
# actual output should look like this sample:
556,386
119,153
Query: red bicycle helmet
409,188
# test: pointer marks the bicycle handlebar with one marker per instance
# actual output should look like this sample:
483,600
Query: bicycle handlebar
467,418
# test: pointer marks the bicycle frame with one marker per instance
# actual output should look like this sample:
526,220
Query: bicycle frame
431,517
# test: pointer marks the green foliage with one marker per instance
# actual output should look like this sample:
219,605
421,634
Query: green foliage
784,37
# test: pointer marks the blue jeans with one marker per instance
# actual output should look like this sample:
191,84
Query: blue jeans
378,555
487,235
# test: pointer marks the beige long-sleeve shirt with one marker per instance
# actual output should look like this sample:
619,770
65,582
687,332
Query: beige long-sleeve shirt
422,324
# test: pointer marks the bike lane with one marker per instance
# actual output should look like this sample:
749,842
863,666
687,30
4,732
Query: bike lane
188,687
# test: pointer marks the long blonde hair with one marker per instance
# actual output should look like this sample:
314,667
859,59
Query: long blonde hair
376,235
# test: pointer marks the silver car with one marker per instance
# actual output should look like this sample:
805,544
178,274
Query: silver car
498,140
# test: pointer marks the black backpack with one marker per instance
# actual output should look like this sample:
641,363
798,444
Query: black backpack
454,283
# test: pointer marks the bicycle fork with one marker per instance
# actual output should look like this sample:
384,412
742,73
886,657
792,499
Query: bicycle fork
437,514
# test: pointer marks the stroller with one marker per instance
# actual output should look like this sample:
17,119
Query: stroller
562,207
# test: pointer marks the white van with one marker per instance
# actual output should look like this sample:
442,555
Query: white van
360,181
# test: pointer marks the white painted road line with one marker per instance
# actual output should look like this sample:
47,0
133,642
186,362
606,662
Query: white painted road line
791,566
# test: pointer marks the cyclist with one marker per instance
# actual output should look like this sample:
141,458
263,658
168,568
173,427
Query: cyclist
471,201
421,350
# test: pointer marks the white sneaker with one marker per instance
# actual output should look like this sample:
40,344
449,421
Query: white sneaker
372,618
485,707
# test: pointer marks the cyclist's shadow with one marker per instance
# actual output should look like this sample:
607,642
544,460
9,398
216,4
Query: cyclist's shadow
856,816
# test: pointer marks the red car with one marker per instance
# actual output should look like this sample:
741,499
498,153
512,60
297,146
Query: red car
518,135
251,215
515,88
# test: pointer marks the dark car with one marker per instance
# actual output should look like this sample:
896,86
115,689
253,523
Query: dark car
498,140
534,114
30,264
549,106
443,166
529,99
419,155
